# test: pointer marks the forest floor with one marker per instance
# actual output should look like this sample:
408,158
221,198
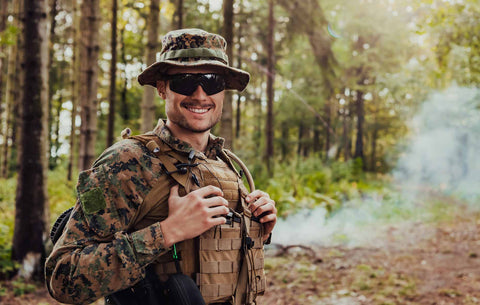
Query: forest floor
408,263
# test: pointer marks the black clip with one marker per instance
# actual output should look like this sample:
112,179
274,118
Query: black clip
249,242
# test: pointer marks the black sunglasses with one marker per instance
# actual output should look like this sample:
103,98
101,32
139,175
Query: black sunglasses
187,84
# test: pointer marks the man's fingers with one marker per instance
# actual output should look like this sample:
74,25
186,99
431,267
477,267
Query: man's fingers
215,201
255,195
268,218
218,211
208,191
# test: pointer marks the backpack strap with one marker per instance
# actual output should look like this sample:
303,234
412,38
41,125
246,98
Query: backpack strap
160,149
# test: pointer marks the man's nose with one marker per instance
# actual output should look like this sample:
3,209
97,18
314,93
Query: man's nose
199,94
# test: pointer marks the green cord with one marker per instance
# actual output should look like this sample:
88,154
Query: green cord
175,257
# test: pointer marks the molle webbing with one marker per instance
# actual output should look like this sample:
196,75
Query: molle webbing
216,258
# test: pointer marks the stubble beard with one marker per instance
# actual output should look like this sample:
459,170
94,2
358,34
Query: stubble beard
181,121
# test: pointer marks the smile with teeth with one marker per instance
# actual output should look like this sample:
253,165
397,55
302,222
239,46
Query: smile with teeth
197,109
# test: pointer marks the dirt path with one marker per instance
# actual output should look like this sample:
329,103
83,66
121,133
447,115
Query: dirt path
411,263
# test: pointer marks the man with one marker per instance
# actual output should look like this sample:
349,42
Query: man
170,201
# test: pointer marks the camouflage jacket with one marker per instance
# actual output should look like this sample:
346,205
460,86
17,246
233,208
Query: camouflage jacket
97,254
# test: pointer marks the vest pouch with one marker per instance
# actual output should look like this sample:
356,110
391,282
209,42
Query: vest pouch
220,258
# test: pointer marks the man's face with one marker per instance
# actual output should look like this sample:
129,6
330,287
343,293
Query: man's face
195,113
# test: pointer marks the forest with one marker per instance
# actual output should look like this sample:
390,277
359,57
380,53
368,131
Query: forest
361,120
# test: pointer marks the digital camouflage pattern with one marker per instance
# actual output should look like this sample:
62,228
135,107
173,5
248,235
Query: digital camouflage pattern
193,48
98,253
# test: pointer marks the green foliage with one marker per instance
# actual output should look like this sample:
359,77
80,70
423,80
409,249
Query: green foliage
61,197
20,287
9,35
7,214
307,183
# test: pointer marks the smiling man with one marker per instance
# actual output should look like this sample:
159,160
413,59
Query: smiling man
164,217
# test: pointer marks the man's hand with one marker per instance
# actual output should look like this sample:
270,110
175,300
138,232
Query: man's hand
260,203
193,214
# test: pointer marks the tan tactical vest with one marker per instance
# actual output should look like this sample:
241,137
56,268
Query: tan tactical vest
227,260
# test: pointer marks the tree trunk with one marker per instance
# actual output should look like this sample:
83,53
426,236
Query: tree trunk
226,126
328,119
125,111
113,69
31,198
346,139
89,48
53,72
180,14
270,82
3,20
316,135
239,66
284,142
301,130
360,111
148,106
11,94
74,88
373,152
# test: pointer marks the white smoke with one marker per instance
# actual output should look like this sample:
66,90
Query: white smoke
442,156
444,149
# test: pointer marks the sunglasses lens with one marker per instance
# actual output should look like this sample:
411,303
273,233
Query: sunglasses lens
187,84
212,83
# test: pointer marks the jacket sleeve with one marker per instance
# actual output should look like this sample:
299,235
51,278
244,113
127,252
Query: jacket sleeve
97,254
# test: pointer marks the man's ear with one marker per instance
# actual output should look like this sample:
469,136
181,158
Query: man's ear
161,88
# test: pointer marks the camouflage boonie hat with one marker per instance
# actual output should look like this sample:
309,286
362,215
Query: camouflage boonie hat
194,48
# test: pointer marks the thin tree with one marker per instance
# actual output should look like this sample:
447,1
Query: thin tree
180,14
226,126
74,68
270,81
3,23
53,77
239,65
148,99
113,69
31,195
12,93
89,47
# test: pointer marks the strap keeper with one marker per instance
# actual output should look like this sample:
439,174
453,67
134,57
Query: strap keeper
153,146
126,133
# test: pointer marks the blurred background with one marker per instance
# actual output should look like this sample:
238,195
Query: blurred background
361,120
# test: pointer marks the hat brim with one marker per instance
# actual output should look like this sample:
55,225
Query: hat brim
234,78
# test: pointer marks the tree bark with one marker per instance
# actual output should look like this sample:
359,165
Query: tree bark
360,112
270,82
226,126
346,139
113,69
89,48
12,95
74,89
125,111
31,198
239,66
52,75
3,22
301,131
148,105
180,14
